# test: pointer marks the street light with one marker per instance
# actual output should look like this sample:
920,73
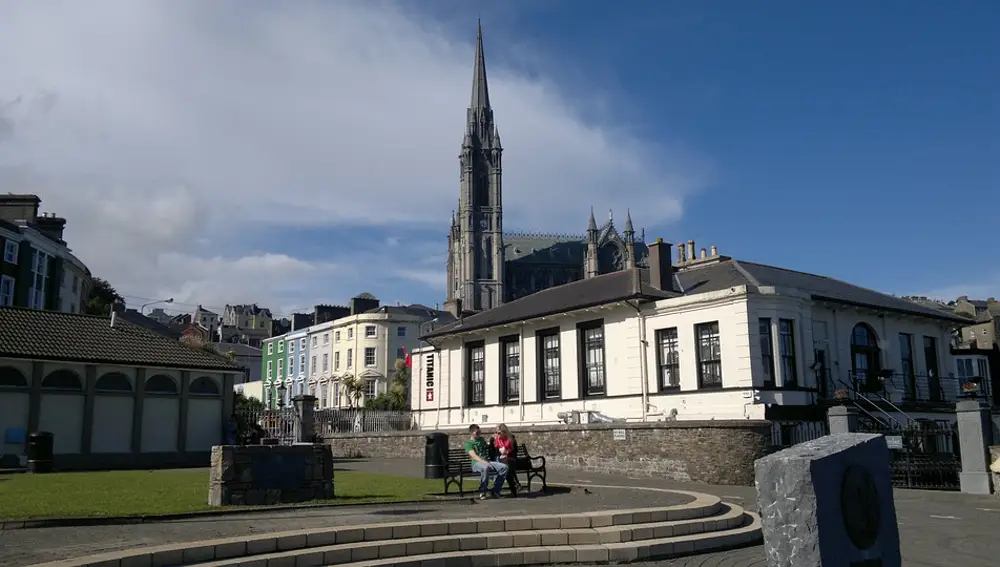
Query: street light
145,305
280,390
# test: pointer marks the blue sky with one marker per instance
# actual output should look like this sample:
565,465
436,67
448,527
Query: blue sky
305,153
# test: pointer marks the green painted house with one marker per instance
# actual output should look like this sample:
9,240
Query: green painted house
272,369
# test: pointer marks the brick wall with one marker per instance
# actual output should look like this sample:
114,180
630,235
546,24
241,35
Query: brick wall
714,452
256,475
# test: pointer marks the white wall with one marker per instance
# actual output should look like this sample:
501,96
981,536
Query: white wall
112,424
13,415
159,423
205,420
62,415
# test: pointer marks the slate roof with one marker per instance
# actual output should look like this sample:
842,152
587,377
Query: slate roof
711,276
590,292
50,335
136,318
729,273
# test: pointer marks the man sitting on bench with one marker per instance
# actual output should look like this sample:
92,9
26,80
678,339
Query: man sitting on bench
479,453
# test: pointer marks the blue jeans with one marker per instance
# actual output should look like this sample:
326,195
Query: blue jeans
484,475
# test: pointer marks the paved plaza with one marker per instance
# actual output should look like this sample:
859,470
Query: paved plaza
937,528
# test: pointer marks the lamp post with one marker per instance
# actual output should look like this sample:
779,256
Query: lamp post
145,305
280,390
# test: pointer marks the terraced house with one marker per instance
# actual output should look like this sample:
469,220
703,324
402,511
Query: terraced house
37,268
364,343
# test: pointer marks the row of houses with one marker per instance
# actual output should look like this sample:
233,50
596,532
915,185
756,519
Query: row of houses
360,341
700,339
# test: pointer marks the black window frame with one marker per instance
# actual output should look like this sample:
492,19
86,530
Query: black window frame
786,352
549,390
507,393
475,395
767,351
668,361
585,346
705,365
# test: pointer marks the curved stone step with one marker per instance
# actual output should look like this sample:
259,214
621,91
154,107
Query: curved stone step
654,549
703,513
348,553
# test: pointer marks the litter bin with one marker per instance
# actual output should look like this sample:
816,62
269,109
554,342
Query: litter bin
435,455
39,452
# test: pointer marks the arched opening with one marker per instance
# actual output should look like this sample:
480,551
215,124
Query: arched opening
161,384
610,258
204,386
62,380
11,377
866,360
113,382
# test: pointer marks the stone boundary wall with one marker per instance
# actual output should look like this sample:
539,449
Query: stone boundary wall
994,466
713,452
256,475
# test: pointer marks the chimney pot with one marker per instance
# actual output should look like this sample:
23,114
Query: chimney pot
715,251
691,254
704,253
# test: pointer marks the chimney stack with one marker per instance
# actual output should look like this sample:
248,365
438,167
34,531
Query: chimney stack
680,253
704,253
19,207
454,307
661,271
715,251
691,256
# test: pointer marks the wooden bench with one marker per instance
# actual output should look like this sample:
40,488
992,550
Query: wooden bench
458,465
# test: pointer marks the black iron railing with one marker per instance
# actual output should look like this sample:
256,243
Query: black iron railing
902,389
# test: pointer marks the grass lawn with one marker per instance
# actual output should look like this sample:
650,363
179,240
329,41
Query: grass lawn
145,493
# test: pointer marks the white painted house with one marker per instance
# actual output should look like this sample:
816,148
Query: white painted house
707,338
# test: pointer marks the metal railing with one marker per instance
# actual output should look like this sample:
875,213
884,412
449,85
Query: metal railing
331,421
786,433
253,426
903,389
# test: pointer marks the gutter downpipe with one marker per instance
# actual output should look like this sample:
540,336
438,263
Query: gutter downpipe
520,374
643,370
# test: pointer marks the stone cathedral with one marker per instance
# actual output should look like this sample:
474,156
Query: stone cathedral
487,267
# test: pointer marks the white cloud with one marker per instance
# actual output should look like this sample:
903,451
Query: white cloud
164,128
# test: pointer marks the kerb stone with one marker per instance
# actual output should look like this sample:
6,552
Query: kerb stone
828,502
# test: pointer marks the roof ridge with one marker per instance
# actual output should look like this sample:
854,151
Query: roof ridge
743,271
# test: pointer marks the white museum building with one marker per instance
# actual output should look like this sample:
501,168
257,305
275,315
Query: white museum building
707,337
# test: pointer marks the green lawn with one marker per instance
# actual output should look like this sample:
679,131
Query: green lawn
144,493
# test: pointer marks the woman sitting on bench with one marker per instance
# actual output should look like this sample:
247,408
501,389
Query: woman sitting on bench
506,453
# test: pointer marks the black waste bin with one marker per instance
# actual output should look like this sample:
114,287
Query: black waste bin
39,452
435,455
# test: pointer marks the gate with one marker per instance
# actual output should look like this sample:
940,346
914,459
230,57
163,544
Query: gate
256,425
923,454
785,433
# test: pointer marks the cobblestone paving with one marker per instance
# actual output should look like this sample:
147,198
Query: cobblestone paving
26,547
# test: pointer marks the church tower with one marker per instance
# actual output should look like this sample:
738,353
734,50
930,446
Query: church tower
475,242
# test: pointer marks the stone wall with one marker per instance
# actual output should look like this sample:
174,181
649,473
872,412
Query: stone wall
995,468
714,452
256,475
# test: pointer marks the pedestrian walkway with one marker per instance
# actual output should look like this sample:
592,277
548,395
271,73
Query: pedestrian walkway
936,528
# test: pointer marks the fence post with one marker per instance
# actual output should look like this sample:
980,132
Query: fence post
975,434
842,419
305,422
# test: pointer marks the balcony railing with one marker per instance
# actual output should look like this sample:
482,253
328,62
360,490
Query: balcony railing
903,389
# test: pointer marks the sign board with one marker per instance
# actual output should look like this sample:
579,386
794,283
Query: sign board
429,378
619,434
894,441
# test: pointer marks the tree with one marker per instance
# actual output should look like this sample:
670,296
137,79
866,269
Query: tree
353,389
400,386
102,296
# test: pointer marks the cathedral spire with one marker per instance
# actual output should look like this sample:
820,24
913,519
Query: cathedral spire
592,225
628,222
480,90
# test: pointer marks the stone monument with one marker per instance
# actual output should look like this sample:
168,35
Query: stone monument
828,502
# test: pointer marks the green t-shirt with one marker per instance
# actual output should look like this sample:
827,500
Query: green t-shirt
477,445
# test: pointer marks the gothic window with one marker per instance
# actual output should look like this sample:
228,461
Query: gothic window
610,258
